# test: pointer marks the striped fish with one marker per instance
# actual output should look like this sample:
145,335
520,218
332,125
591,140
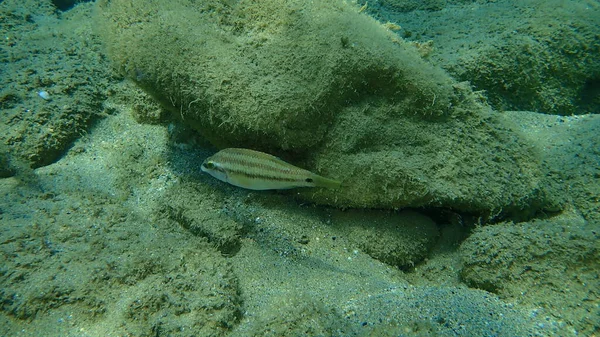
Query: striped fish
261,171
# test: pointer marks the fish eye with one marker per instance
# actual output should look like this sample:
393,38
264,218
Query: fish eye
309,180
209,165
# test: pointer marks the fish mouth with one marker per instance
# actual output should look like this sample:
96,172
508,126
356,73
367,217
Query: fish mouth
203,167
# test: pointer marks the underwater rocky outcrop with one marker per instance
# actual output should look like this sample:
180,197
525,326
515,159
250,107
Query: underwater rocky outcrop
331,89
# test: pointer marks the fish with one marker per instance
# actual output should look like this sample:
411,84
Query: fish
255,170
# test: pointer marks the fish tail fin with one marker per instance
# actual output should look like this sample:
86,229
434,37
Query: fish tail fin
326,182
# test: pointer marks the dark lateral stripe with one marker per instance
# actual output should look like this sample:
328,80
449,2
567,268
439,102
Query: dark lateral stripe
260,164
266,177
248,163
255,159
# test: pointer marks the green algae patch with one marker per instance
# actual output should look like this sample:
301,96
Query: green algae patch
332,89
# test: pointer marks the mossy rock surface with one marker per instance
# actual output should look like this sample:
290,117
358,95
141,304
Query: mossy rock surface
54,81
539,263
269,72
392,161
399,239
297,316
532,55
329,88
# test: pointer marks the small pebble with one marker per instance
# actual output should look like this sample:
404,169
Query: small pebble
44,94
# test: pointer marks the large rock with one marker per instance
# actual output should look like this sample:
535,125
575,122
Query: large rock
399,239
539,264
539,55
269,72
329,88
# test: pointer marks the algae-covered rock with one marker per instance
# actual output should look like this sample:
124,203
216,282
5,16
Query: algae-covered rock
85,245
299,316
574,163
203,216
538,55
270,72
54,80
6,170
402,239
472,163
443,312
331,89
557,66
539,264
